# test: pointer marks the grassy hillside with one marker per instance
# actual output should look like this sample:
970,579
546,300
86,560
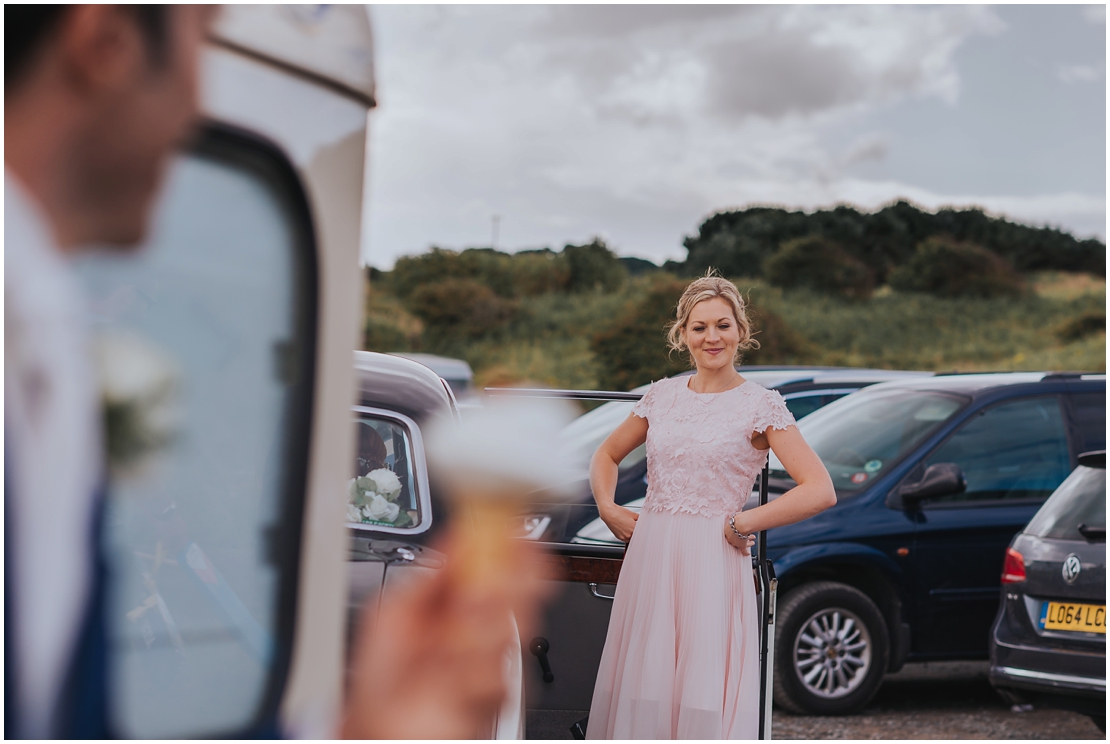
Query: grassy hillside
558,337
918,331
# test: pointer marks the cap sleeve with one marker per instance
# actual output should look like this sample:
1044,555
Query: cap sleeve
643,405
773,413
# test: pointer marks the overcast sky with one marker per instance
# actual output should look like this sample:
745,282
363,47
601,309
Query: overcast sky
634,123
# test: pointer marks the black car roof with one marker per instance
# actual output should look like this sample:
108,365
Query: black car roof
973,384
401,385
771,376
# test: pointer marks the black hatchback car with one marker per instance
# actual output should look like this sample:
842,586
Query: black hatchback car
1048,644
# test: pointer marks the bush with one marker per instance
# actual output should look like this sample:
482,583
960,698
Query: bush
730,253
816,263
778,342
944,267
593,267
633,350
459,308
486,266
538,272
1080,327
379,335
388,326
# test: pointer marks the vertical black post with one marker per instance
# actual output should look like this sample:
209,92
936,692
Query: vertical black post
765,596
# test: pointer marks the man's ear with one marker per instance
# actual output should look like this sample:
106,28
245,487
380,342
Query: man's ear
100,49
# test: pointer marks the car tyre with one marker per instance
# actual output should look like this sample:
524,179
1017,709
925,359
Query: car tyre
832,647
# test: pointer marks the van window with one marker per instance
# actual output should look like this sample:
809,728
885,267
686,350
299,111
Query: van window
1089,414
388,489
202,529
1014,450
862,436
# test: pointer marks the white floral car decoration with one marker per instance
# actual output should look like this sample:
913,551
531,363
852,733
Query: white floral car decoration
372,499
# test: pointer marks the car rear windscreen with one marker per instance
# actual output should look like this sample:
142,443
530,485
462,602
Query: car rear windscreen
1081,499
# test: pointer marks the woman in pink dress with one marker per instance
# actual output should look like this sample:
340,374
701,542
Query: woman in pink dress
681,659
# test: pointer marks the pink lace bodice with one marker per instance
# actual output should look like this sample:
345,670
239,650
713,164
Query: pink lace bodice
699,452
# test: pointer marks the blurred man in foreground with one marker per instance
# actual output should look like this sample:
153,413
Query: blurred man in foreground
97,99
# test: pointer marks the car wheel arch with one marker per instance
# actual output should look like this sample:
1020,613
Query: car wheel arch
875,581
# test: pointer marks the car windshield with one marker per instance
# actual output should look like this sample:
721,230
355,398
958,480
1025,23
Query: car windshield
1081,499
863,435
586,433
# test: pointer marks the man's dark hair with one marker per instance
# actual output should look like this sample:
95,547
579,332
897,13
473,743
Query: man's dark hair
28,26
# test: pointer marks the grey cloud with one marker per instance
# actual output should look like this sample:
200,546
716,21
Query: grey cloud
780,74
1078,73
593,67
871,149
762,61
639,118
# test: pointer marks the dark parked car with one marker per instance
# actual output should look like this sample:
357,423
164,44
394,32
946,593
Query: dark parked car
934,476
1048,644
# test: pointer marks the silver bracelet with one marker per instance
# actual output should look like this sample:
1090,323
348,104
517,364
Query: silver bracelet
732,526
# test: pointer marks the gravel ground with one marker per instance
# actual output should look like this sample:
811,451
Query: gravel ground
939,700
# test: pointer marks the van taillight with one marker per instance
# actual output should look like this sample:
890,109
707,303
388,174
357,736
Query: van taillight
1013,568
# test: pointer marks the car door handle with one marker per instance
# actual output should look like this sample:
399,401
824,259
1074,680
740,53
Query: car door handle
599,595
539,648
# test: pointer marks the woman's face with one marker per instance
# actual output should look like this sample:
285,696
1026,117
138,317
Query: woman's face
712,334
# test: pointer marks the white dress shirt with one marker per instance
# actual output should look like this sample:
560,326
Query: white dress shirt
53,445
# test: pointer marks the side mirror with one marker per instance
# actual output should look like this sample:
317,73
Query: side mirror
941,479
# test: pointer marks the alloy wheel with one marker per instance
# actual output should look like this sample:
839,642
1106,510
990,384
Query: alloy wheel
832,653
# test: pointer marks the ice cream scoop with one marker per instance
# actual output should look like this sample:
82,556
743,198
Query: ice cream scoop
490,463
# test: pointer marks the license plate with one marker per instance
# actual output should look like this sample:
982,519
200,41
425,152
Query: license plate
1080,617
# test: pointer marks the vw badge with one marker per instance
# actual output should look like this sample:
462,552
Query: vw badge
1071,568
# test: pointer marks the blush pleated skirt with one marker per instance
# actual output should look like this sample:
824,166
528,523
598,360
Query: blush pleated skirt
681,658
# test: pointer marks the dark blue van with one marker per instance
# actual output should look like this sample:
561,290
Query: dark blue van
934,477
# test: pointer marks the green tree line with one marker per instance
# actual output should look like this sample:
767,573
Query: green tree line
739,242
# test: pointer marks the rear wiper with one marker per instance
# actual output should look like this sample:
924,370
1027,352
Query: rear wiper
1093,534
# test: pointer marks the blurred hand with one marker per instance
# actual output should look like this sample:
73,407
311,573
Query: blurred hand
621,521
431,665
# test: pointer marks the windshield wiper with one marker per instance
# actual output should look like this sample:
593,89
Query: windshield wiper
1093,534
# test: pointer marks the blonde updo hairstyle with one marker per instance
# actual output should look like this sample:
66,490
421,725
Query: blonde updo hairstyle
711,286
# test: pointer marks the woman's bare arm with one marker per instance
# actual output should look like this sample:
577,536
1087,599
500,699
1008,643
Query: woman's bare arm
603,474
813,494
